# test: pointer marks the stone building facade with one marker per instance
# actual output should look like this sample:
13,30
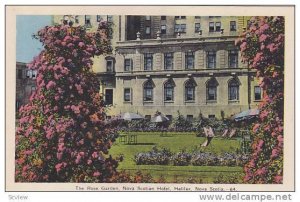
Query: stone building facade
25,84
173,63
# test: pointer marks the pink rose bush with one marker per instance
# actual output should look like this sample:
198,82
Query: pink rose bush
262,46
51,143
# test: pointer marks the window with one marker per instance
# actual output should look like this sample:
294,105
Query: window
180,28
163,17
197,27
148,61
148,30
180,17
29,73
177,27
257,93
218,26
148,17
169,91
163,29
127,65
109,18
233,90
109,65
76,19
189,60
183,27
211,90
197,17
34,74
88,21
233,59
232,26
108,96
190,90
127,94
189,118
148,117
211,27
20,74
211,59
148,91
168,61
99,18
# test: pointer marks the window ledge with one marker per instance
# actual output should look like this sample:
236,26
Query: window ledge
257,100
168,101
147,101
189,101
233,101
127,102
211,101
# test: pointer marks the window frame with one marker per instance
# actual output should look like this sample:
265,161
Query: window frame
148,57
213,55
211,85
197,28
233,87
148,87
126,65
125,95
189,55
169,91
260,94
168,56
211,26
112,65
232,25
189,85
233,54
218,26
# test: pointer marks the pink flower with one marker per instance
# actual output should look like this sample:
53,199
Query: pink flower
89,162
262,38
275,153
95,155
79,88
58,167
51,84
59,155
243,46
80,44
255,128
96,174
278,179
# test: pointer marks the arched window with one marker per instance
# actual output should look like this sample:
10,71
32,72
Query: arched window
169,91
233,89
148,90
190,90
211,89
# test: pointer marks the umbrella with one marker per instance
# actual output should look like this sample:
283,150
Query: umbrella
248,114
159,118
130,116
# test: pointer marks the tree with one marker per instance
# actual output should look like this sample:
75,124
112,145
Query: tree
262,47
62,134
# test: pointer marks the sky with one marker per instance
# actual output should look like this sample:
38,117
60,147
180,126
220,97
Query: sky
27,25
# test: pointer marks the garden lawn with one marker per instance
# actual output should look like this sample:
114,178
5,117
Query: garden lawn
176,142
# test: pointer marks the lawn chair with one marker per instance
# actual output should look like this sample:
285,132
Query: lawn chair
232,133
209,133
225,132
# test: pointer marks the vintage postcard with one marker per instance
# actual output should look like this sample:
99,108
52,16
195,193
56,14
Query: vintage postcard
150,98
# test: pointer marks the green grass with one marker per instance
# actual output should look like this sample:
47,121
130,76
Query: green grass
175,142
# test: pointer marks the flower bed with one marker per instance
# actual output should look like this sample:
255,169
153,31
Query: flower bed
165,157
